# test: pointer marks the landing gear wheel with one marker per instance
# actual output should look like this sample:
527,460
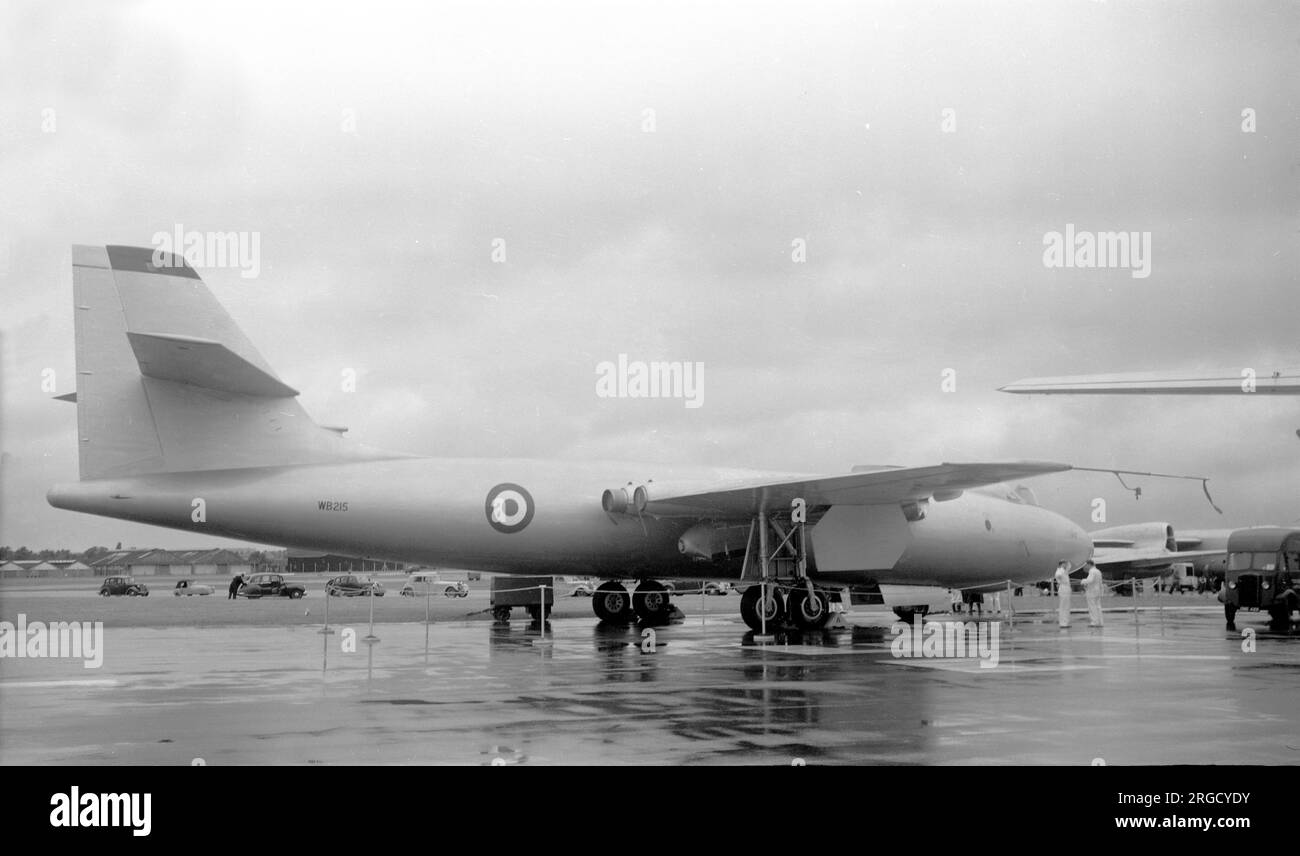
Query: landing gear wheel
501,613
535,612
771,610
809,612
652,602
612,603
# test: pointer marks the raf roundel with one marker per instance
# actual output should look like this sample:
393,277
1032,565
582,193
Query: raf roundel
509,508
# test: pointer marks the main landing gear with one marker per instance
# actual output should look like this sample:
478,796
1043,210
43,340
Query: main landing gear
782,594
766,607
651,603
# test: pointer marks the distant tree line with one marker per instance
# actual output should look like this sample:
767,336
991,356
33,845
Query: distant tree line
23,554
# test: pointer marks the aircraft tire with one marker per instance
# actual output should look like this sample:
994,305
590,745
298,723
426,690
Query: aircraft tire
612,603
809,613
652,603
749,602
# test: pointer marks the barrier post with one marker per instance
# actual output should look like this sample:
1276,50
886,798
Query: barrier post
1132,587
541,615
371,637
326,629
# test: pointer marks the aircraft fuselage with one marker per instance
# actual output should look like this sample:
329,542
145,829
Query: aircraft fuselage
545,517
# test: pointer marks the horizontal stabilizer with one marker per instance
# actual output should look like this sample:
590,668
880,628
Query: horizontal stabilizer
70,396
205,363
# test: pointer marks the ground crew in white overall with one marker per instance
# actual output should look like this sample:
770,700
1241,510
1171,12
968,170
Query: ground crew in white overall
1092,588
1063,594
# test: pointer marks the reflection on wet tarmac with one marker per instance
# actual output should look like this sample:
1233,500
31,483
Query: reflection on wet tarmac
486,693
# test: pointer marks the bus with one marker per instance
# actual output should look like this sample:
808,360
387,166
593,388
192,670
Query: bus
1263,574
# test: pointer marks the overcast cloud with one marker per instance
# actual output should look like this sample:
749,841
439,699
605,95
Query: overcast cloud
380,150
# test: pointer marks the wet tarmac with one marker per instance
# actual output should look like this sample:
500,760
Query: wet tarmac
1168,688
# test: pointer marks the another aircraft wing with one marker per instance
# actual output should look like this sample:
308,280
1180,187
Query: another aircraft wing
1118,560
890,485
1234,382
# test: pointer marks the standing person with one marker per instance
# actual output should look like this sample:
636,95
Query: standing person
1063,595
1092,586
235,584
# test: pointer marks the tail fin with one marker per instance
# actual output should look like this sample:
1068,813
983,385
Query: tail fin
166,382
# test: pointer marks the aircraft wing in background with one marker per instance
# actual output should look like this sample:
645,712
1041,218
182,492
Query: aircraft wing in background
1119,562
1237,382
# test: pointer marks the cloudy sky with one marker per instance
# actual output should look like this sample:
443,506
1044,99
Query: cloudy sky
647,170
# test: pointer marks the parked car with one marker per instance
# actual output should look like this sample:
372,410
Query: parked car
684,587
114,586
430,581
583,588
351,585
270,585
187,588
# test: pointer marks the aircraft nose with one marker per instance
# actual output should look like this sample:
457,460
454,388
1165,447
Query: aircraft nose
1075,545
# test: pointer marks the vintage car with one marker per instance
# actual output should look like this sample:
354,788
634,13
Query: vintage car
123,585
421,581
583,588
711,587
352,585
270,585
189,589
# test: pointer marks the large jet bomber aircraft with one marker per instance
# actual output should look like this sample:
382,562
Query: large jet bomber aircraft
181,423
